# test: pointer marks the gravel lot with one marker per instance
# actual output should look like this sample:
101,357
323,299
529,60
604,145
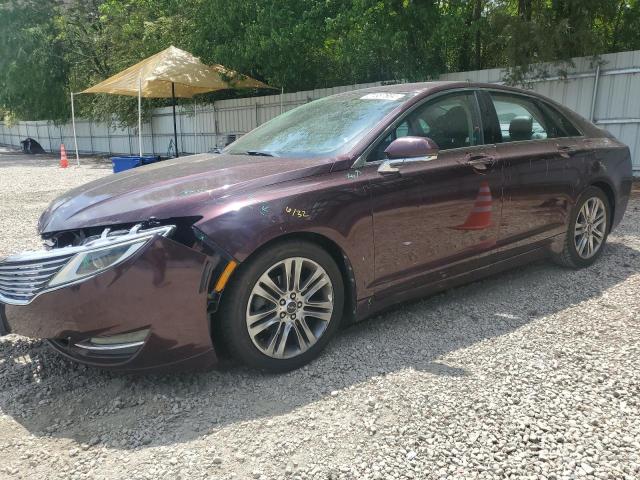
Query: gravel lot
530,374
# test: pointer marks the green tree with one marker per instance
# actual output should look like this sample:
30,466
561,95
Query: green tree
50,47
385,40
33,72
530,32
105,37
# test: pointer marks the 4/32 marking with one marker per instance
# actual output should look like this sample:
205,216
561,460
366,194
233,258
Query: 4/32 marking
294,212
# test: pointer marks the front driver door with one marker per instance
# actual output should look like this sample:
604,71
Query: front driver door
433,218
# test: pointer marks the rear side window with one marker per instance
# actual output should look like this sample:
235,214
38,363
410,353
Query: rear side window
520,118
559,125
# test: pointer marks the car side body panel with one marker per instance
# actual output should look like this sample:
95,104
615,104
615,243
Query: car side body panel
452,218
610,165
336,207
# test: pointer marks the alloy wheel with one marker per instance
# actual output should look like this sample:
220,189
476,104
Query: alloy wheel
289,307
590,227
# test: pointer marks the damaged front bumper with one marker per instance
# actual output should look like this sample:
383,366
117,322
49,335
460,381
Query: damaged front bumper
134,301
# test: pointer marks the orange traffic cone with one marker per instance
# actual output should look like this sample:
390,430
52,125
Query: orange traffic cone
480,216
64,163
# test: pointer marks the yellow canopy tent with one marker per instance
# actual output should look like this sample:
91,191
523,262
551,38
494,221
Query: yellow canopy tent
170,73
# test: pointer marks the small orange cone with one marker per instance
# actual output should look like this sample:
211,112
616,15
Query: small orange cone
64,162
480,216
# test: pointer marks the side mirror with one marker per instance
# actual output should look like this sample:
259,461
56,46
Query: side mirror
408,149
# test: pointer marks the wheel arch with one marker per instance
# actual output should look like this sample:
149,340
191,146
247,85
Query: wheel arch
338,255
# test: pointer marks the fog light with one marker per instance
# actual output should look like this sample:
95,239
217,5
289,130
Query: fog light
131,337
120,342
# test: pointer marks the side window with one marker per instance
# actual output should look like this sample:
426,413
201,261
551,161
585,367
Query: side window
450,121
559,125
519,117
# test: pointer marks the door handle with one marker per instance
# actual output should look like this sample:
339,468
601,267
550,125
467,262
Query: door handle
480,162
566,150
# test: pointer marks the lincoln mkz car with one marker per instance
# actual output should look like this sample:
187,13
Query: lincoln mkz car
322,216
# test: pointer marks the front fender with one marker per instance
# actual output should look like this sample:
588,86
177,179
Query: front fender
334,206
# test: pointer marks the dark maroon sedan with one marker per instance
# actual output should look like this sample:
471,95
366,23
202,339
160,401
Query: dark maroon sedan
326,214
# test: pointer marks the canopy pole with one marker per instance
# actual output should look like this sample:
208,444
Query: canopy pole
175,129
195,125
73,122
140,115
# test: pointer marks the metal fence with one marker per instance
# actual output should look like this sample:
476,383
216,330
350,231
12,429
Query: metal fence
201,127
607,93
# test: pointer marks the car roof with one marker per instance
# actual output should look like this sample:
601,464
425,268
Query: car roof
410,90
417,87
419,90
426,87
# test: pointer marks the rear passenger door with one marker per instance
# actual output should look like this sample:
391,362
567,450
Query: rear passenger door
575,152
537,187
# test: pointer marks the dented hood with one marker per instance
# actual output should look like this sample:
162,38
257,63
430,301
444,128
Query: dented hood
185,186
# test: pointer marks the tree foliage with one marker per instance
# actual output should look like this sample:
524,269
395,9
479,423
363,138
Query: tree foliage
49,47
33,71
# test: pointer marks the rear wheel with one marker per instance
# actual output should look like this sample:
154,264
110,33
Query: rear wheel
283,306
588,230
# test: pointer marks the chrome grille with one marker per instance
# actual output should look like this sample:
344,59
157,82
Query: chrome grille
21,280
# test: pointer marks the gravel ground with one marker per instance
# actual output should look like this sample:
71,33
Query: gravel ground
530,374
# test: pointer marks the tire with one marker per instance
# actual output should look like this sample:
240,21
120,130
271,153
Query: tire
308,320
574,253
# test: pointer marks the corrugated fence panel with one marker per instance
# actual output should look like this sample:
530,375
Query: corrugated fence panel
493,75
213,126
617,108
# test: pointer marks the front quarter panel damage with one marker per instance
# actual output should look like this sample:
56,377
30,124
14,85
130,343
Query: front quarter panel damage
161,289
335,206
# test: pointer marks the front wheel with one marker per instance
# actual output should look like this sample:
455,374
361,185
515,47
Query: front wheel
587,231
283,306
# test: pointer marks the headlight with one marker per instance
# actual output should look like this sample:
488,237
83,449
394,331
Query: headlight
30,274
91,262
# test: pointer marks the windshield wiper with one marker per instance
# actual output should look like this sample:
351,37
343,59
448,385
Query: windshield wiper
259,153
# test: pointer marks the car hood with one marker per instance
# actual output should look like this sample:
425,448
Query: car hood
184,186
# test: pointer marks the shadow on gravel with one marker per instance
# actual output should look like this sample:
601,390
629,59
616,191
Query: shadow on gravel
50,396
